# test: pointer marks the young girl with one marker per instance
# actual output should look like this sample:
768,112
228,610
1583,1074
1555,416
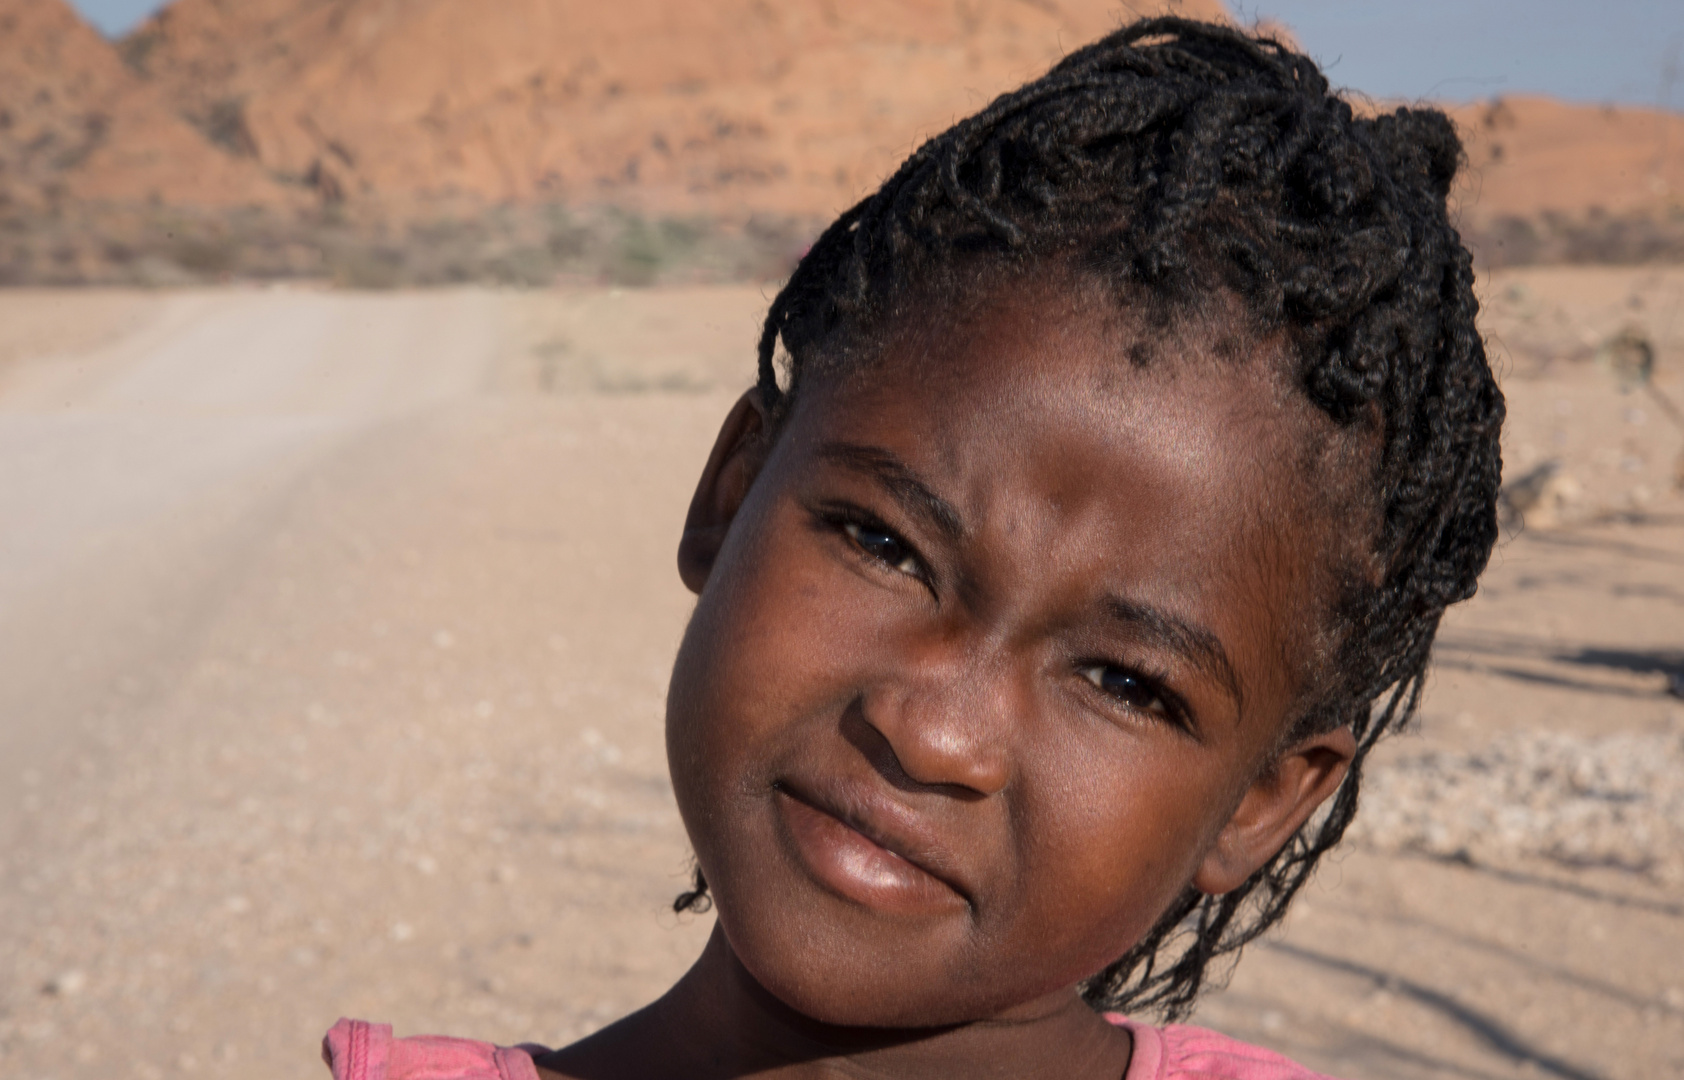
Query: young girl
1129,444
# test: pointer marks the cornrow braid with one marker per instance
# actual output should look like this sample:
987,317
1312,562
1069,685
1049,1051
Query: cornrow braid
1170,157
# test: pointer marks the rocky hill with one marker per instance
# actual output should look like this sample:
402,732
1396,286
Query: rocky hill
1553,182
726,107
453,139
76,124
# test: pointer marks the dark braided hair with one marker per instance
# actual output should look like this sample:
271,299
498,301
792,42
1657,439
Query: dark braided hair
1173,160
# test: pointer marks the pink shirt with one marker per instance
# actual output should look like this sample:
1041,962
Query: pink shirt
357,1050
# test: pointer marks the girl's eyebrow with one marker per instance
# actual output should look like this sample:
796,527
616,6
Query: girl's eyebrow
895,475
1174,634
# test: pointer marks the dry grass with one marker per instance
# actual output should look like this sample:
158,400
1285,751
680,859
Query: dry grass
1591,239
508,245
362,247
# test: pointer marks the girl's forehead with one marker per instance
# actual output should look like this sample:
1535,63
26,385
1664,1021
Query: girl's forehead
1074,327
1074,424
1028,368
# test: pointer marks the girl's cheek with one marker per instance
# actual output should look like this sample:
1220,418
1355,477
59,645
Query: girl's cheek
1124,832
744,663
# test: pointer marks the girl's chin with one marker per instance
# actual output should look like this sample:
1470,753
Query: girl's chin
865,1008
836,984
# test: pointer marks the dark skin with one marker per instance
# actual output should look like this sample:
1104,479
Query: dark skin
995,649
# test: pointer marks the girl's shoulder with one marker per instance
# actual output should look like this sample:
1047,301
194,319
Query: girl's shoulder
358,1050
1184,1052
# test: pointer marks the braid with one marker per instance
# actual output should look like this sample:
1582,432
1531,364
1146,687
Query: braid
1167,158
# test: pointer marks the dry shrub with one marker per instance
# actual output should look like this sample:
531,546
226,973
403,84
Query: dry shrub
1594,238
506,245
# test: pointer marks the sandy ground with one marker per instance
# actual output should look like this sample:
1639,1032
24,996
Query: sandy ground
334,632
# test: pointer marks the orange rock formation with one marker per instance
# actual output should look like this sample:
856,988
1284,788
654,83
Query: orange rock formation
726,106
76,124
1531,155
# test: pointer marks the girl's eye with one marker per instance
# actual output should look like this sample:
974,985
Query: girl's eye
1127,687
883,545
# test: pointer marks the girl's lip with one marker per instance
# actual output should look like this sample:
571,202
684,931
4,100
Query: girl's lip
859,859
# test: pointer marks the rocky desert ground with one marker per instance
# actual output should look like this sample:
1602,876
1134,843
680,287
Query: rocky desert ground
334,631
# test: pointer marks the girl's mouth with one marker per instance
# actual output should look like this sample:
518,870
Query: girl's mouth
864,868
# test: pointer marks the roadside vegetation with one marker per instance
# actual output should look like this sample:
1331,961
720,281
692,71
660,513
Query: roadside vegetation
506,245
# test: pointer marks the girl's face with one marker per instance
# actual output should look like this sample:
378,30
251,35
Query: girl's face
993,652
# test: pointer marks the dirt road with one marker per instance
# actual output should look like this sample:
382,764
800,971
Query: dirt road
334,631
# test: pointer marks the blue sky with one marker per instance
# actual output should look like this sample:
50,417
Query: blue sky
1584,50
115,16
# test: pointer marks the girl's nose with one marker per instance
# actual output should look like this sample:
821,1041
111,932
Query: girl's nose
943,721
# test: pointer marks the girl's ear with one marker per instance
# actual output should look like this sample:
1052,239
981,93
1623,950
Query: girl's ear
1274,807
737,455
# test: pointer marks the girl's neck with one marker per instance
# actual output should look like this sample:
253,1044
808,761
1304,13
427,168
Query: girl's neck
718,1023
